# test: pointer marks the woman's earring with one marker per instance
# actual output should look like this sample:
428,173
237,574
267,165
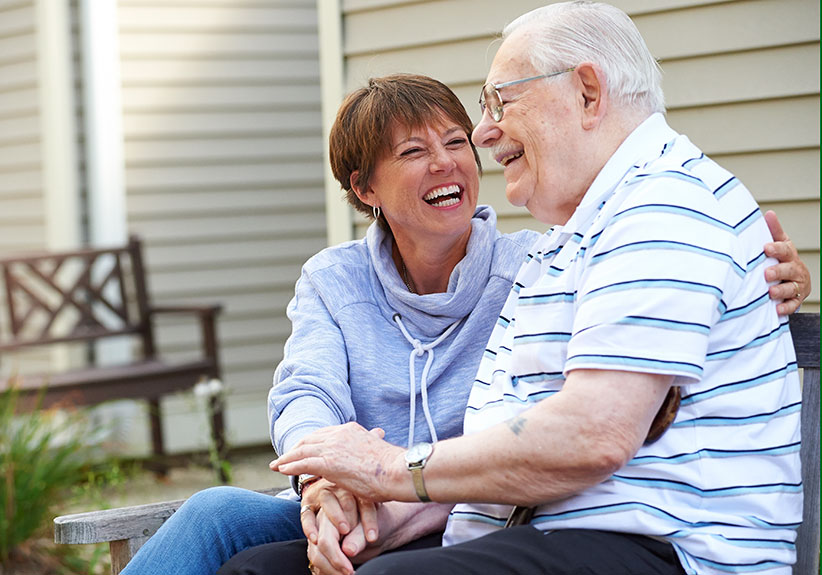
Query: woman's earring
376,211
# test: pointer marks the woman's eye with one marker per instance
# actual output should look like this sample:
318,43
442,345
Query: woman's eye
410,151
457,142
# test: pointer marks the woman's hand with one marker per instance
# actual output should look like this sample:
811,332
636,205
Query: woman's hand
325,556
343,509
793,274
399,524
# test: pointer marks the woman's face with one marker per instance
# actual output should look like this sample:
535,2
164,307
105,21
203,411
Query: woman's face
427,182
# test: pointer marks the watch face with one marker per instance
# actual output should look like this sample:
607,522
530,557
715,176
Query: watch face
418,452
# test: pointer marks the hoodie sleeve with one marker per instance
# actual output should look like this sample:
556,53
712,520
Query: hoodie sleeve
310,388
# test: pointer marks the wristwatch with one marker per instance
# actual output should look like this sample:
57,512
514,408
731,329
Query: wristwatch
415,458
304,480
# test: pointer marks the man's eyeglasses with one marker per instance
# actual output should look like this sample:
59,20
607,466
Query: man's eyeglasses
490,98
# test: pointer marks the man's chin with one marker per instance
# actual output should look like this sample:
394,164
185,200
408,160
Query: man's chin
514,195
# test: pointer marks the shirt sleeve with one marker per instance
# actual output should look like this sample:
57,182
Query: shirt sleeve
310,389
654,281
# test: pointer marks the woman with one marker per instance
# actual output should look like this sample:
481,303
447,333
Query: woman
388,330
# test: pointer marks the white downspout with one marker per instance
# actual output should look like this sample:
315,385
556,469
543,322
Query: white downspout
102,104
338,215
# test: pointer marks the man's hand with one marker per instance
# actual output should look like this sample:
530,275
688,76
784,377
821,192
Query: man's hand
353,457
793,274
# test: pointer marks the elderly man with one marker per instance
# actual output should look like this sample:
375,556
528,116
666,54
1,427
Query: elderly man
650,281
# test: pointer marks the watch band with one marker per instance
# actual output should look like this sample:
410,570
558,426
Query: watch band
419,483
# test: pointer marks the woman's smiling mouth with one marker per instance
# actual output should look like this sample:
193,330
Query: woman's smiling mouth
444,197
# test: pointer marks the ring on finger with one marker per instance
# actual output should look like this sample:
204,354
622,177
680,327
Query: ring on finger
305,508
798,294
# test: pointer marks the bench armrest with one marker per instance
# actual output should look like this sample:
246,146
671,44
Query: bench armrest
126,529
208,328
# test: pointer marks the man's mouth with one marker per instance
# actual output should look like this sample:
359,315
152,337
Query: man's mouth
444,197
508,158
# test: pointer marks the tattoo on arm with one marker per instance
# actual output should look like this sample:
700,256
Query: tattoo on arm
516,424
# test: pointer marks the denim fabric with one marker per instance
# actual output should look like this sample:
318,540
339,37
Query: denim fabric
211,527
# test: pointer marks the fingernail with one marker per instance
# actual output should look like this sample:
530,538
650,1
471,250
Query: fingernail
372,535
344,527
313,538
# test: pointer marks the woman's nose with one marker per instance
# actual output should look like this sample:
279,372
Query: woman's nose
442,161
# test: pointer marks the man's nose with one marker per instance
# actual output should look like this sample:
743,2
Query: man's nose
486,133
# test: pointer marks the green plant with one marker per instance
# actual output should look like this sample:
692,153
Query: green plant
43,453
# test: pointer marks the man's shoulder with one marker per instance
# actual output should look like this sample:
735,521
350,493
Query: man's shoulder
682,160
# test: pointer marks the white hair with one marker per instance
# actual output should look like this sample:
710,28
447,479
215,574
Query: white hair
569,33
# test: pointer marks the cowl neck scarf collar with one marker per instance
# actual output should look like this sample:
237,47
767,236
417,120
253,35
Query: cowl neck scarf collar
430,314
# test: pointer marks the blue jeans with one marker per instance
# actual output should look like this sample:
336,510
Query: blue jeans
211,527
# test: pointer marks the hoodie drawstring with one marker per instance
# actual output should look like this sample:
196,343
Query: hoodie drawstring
419,349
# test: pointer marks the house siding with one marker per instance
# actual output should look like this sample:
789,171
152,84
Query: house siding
224,179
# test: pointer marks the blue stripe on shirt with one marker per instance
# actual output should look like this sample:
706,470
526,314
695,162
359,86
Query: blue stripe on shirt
669,245
681,486
679,366
714,454
655,284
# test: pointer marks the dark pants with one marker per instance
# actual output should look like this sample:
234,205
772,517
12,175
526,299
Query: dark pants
521,550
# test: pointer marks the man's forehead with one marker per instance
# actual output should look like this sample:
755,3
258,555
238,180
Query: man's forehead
511,59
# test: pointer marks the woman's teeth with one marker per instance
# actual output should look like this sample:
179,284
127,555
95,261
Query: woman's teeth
443,197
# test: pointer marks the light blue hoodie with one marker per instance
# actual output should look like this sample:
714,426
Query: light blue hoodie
350,356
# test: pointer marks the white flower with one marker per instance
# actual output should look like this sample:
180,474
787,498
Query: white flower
208,388
215,386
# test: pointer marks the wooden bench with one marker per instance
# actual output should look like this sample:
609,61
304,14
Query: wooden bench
88,295
128,528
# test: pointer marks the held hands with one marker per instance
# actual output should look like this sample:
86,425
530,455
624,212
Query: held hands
334,553
340,507
794,276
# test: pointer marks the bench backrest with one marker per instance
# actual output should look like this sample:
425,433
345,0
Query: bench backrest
83,295
805,332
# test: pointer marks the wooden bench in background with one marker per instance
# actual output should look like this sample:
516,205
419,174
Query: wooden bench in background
88,295
128,528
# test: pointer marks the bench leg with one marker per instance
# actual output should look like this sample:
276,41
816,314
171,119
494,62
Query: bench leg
122,551
218,432
157,448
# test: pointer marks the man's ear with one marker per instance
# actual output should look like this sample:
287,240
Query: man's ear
592,94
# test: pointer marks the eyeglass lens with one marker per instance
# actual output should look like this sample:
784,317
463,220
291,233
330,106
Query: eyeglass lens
491,99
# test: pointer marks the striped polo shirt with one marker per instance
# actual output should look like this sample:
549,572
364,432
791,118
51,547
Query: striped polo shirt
661,270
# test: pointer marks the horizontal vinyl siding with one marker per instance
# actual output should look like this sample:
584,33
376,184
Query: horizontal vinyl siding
22,225
22,217
741,79
22,180
224,174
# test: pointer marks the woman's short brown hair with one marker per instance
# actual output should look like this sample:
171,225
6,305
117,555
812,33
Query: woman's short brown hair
362,130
